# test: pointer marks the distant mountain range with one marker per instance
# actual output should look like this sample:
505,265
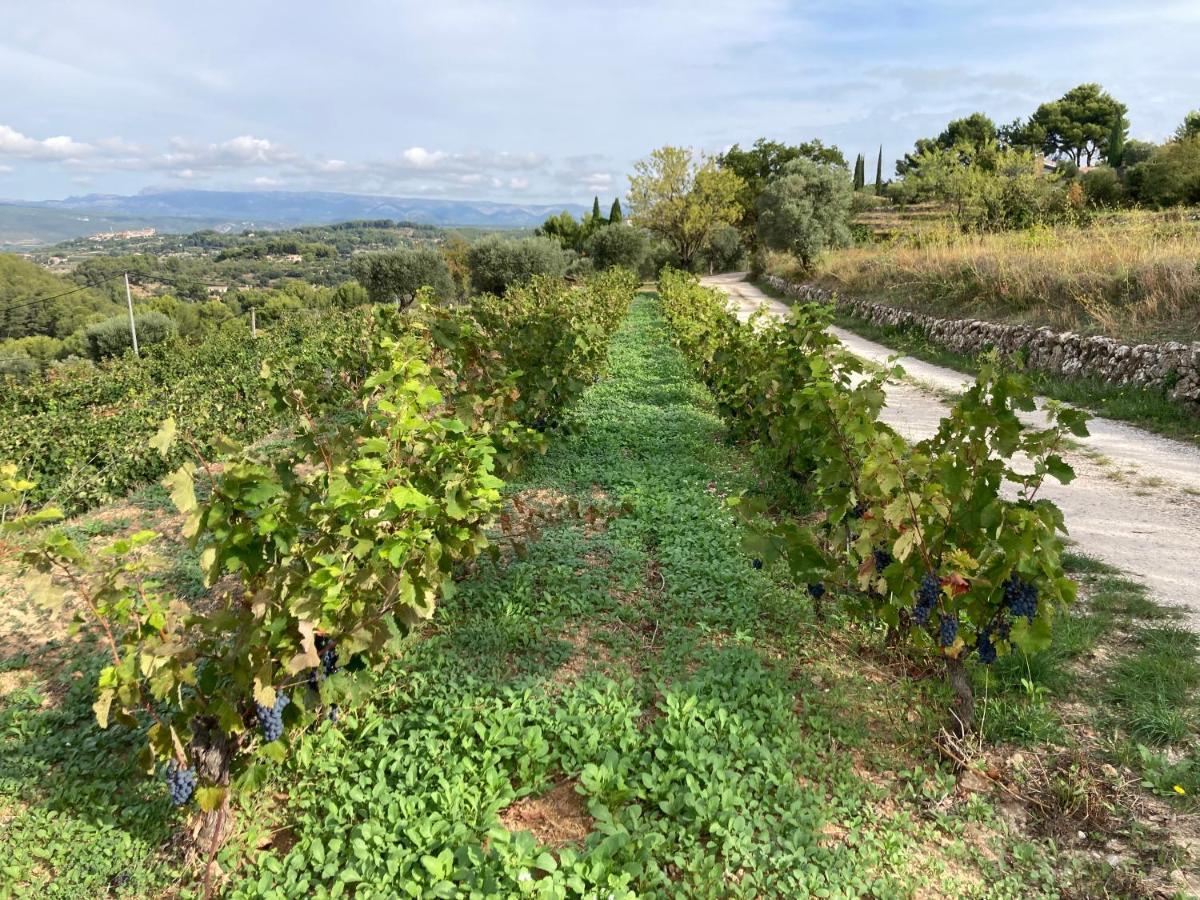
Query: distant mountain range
32,223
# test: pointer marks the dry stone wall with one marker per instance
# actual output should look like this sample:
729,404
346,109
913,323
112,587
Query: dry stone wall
1173,366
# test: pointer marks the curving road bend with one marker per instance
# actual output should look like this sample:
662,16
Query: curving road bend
1135,501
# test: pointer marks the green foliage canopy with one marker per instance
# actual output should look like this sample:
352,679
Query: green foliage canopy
683,199
497,262
806,209
397,276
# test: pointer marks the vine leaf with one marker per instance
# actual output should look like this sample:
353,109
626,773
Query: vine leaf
307,658
102,705
165,437
181,484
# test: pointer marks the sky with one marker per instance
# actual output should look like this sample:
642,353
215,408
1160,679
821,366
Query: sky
536,100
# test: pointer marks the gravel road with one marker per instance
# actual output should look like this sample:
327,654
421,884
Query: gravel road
1135,501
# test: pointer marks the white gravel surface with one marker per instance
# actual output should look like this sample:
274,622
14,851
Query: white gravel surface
1135,501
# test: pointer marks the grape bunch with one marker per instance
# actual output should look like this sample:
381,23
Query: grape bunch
985,648
181,781
927,598
333,713
270,718
329,659
816,590
883,558
947,630
757,563
859,510
1021,597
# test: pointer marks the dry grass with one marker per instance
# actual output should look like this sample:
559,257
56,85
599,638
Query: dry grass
1133,276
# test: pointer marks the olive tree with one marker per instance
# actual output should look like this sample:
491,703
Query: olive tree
396,276
805,210
496,262
618,245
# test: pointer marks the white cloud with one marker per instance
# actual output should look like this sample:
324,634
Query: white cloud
13,143
422,158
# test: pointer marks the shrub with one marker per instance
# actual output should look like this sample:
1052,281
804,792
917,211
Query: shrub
618,245
805,210
397,276
1171,175
112,338
1103,188
497,262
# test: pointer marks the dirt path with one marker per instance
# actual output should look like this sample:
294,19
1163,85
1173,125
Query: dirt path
1134,504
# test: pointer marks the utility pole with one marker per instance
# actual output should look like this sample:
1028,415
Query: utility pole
132,326
253,323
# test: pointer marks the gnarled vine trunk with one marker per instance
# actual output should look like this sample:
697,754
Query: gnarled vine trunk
962,712
212,754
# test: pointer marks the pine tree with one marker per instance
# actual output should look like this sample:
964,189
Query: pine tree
879,173
1116,143
596,217
615,216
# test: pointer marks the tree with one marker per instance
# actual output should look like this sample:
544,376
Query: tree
1077,126
1136,152
1114,152
879,172
112,337
805,210
596,217
617,245
976,133
565,229
860,176
496,262
615,216
1190,126
396,276
1171,176
762,162
683,199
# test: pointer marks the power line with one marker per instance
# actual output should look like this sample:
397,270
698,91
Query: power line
37,300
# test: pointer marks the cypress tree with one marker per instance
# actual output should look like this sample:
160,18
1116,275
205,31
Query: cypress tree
879,173
1116,143
596,210
615,216
859,172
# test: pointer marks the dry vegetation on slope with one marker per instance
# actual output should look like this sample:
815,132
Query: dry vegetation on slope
1133,276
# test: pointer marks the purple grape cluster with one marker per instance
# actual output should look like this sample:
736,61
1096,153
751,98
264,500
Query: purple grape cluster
859,510
181,781
883,558
329,659
927,598
757,563
270,718
816,590
984,647
1021,597
947,630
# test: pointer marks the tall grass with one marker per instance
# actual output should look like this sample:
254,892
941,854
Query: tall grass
1132,276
